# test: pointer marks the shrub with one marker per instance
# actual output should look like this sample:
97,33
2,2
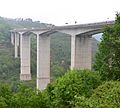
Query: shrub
21,97
106,96
26,97
5,95
74,83
3,102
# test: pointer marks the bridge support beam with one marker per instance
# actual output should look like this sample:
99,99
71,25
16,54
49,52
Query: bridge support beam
73,38
16,43
43,61
12,38
81,52
25,57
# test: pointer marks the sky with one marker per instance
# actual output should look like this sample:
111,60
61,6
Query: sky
59,12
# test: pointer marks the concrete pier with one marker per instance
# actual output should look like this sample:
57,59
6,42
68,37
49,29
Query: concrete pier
43,61
83,52
16,44
73,38
12,38
25,57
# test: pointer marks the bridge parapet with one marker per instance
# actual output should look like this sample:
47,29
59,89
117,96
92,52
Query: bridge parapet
101,24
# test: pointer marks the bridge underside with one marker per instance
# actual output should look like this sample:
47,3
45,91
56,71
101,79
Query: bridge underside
80,50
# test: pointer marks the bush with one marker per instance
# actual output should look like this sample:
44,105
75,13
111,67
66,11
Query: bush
26,97
74,83
5,95
106,96
21,97
3,102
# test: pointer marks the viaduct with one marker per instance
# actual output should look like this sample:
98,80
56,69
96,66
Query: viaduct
80,48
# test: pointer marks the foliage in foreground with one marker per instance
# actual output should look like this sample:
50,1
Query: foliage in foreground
76,89
21,97
58,94
72,84
106,95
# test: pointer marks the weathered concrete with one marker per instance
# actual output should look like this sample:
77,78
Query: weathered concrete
83,52
73,38
25,57
12,38
16,44
43,61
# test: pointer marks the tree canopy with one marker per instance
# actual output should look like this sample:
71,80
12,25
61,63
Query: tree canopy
108,55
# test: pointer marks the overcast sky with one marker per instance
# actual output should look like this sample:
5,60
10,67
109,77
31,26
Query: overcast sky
59,12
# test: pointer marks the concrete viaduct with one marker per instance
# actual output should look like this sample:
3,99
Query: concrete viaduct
80,48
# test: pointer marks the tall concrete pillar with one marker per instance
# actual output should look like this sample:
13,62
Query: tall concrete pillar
12,38
25,57
73,38
43,61
16,44
83,52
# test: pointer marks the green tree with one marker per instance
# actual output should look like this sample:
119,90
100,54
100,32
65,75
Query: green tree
2,102
27,97
106,95
57,71
74,83
5,95
108,55
21,97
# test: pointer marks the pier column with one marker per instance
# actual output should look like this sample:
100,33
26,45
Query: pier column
73,38
16,44
25,57
12,38
43,61
83,52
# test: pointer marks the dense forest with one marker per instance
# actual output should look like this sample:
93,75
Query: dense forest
96,88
